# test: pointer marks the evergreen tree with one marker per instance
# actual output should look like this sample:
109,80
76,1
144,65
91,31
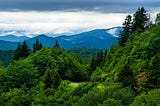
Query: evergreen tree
40,45
127,29
92,65
140,20
105,53
37,46
100,58
97,61
17,52
25,51
22,51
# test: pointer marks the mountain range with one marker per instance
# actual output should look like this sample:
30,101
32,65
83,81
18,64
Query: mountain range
98,38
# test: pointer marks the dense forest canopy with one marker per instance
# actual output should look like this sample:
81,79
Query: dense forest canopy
127,74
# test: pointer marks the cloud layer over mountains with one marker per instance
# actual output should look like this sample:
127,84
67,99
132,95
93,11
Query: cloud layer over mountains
57,22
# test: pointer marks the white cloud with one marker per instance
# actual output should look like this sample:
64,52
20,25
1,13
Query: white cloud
58,22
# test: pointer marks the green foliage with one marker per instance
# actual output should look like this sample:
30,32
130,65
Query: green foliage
140,54
17,74
22,51
92,65
124,75
97,61
84,52
127,29
25,51
37,46
17,52
154,72
15,97
100,58
140,20
104,91
6,56
98,75
70,66
83,89
2,79
150,99
42,60
52,78
111,102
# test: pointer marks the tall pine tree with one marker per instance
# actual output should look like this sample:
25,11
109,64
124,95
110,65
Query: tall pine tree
92,65
22,51
17,52
127,29
100,58
37,46
25,51
140,20
97,61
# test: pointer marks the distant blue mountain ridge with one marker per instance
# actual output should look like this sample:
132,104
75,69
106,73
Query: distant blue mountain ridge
13,38
98,38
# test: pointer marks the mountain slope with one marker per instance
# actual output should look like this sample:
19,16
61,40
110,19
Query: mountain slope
130,76
5,45
115,31
48,41
99,38
136,64
13,38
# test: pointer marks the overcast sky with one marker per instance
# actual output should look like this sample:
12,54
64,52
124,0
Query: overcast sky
79,5
68,16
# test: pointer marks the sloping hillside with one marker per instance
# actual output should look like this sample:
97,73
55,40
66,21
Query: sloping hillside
137,64
98,38
130,76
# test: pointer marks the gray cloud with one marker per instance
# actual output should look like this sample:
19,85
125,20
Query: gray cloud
77,5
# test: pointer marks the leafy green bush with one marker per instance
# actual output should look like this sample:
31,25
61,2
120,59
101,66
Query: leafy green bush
17,74
152,98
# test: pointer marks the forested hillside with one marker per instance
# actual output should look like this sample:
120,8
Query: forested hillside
6,56
128,74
